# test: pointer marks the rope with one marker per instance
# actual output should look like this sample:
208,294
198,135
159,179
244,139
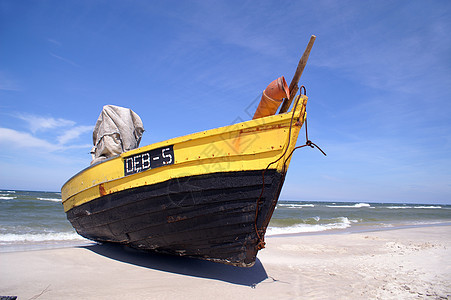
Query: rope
261,243
308,143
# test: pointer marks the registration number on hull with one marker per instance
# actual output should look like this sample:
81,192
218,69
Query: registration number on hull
149,160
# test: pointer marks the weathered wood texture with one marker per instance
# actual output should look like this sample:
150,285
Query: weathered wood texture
209,216
297,76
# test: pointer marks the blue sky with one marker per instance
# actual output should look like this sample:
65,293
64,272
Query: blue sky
378,81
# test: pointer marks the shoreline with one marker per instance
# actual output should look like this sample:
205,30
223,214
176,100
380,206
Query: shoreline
360,229
404,263
30,246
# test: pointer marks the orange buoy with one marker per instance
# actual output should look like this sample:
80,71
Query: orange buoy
272,97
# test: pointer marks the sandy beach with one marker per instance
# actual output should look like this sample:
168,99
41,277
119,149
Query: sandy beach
413,263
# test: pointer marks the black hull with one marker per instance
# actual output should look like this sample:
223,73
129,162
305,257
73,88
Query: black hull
208,216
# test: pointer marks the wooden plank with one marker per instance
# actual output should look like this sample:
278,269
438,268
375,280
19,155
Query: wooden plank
297,75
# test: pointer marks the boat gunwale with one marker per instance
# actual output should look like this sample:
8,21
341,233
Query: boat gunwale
183,138
245,126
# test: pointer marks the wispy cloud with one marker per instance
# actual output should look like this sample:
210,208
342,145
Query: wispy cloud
38,123
14,139
220,22
8,84
67,132
19,139
73,134
64,59
54,42
402,59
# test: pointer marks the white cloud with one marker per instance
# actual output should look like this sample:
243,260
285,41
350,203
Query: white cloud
18,139
73,133
38,123
62,130
14,138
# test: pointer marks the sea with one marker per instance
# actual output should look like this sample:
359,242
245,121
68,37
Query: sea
31,220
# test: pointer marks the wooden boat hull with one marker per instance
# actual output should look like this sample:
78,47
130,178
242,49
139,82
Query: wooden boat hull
206,216
213,199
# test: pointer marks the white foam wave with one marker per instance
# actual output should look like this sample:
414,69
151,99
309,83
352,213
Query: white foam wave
357,205
50,199
342,223
399,207
7,198
429,207
420,207
296,205
11,192
39,237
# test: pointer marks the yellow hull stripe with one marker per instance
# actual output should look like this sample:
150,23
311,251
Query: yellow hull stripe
250,145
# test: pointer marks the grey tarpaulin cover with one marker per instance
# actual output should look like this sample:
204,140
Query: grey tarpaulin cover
117,130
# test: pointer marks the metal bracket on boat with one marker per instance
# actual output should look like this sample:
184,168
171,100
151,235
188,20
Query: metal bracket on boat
308,143
300,90
302,112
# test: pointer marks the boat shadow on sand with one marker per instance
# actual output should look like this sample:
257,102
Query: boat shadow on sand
183,265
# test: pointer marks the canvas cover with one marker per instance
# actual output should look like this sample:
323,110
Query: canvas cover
117,130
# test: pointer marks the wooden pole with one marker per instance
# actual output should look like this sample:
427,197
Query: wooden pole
297,75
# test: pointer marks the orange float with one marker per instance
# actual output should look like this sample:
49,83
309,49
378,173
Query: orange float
272,97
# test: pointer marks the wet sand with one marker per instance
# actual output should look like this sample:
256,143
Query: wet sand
408,263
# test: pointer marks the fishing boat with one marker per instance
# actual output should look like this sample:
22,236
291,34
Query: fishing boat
207,195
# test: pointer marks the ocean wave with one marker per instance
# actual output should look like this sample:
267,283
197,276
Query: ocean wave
341,223
7,197
357,205
50,199
420,207
399,207
428,207
39,237
295,205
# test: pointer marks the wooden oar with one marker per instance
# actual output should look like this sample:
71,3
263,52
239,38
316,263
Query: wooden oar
297,75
